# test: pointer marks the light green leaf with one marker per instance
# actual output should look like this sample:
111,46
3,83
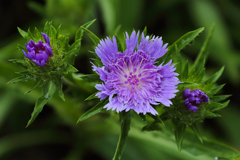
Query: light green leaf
215,89
185,72
214,106
35,85
93,111
23,33
71,69
20,79
80,31
92,36
215,77
59,85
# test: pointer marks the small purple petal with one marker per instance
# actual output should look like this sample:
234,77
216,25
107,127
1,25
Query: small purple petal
46,38
186,93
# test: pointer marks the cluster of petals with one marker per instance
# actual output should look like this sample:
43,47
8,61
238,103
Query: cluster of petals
131,80
194,98
39,52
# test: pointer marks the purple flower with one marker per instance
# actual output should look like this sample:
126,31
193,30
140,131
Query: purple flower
39,52
194,99
131,79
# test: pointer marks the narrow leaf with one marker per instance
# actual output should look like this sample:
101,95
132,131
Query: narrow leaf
80,31
20,79
204,50
91,77
120,48
215,77
35,85
93,111
92,36
59,85
196,131
219,98
179,133
93,96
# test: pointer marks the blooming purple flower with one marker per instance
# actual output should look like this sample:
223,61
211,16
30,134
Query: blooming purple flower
131,79
194,99
39,52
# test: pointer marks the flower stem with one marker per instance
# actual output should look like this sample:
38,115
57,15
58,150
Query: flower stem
125,118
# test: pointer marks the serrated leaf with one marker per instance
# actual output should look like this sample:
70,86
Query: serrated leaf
20,79
48,90
215,77
23,33
219,98
92,36
93,96
91,77
181,43
196,131
80,31
204,50
93,111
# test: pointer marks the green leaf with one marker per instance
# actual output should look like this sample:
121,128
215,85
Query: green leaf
215,89
196,131
35,85
47,27
219,98
20,79
204,50
187,84
91,97
23,33
120,48
154,126
145,31
91,77
69,54
185,72
80,31
92,36
30,36
179,133
48,90
93,111
20,61
76,44
215,77
59,85
38,35
214,106
209,114
182,42
200,76
156,118
71,69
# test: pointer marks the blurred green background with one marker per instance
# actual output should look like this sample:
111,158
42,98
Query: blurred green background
55,134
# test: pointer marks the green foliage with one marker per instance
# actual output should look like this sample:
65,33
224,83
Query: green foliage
49,76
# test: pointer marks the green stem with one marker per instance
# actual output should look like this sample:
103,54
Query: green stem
125,118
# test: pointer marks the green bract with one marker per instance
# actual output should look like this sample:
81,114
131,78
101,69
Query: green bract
49,77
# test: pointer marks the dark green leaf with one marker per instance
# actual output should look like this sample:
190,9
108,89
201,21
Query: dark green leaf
145,31
179,133
93,111
215,89
48,90
59,85
154,126
187,84
185,72
211,115
20,79
196,131
69,54
215,77
71,69
204,50
35,85
214,106
156,118
92,36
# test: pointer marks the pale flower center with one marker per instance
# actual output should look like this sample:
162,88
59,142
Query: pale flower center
132,79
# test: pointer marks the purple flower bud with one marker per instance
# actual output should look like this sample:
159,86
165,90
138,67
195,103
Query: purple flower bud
194,98
186,93
39,52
